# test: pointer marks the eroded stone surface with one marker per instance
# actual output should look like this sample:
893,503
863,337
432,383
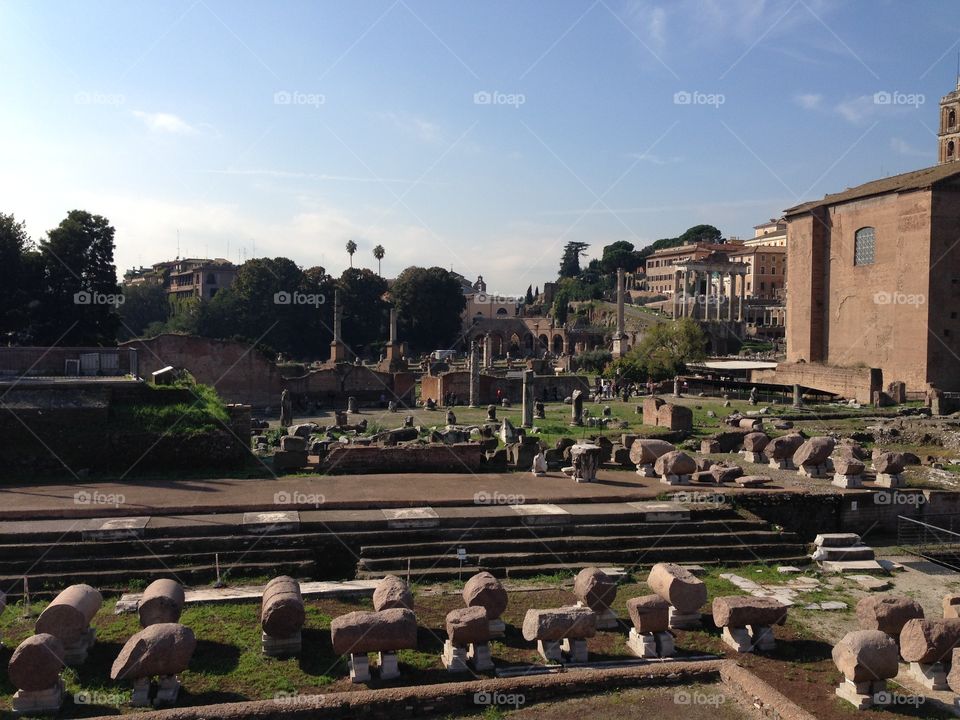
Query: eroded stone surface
392,592
161,649
678,586
864,655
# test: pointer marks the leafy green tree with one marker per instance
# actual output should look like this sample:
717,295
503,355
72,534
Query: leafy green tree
620,255
143,306
430,304
15,285
667,347
364,308
80,292
351,249
570,260
629,368
378,253
701,233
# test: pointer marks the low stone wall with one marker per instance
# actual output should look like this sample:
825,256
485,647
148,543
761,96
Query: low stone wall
546,387
17,361
372,459
858,383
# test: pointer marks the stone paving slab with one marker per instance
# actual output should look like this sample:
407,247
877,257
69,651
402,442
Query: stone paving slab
411,518
273,521
662,511
542,514
115,528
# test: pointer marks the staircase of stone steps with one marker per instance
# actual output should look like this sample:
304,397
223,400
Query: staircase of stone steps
709,536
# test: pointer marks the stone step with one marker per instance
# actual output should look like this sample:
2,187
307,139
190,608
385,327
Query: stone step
610,556
852,566
572,542
836,539
856,552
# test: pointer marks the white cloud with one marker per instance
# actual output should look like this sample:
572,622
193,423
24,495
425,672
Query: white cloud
902,147
857,110
165,123
809,101
655,159
419,128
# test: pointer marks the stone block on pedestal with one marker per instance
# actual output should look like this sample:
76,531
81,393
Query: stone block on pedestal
737,638
478,655
932,676
168,689
39,702
359,665
574,650
890,481
864,695
847,481
684,621
550,650
454,658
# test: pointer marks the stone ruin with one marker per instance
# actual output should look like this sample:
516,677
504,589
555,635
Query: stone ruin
584,462
747,621
675,468
867,659
281,617
159,651
484,590
887,613
781,450
468,640
161,602
34,669
597,590
685,592
391,627
658,413
811,458
754,444
644,454
561,633
889,469
68,618
927,645
650,636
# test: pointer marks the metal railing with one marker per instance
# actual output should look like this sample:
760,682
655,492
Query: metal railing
937,540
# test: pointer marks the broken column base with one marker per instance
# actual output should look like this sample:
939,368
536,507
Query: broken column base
76,653
550,650
782,464
737,638
684,621
606,619
497,628
932,676
674,479
754,457
646,471
814,471
574,650
847,481
36,702
478,655
454,658
762,637
168,689
140,697
651,645
359,665
890,481
280,647
864,695
387,662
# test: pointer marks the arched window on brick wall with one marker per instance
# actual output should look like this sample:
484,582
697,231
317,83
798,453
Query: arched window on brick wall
864,246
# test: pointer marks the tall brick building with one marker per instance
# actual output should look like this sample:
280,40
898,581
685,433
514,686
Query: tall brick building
875,278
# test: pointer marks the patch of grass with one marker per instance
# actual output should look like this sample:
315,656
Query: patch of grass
205,413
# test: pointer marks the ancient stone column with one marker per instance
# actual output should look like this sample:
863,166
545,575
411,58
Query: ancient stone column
528,398
34,670
393,326
743,295
576,408
619,337
720,295
68,619
733,285
686,291
162,602
281,617
474,375
161,651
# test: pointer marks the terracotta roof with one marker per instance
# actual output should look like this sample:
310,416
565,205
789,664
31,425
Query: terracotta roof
905,182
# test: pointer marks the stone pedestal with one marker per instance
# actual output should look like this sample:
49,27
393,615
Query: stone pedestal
280,647
550,650
387,662
890,481
650,645
646,471
684,621
737,638
38,702
782,464
359,665
606,619
168,689
497,628
932,676
754,457
813,471
761,636
454,658
847,481
140,697
76,654
863,695
479,656
574,650
674,479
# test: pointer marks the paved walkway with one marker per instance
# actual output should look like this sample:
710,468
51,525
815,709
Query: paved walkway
171,497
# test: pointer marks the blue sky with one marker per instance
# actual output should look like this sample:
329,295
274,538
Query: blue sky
474,135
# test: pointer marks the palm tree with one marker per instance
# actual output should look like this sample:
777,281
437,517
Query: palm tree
351,249
378,253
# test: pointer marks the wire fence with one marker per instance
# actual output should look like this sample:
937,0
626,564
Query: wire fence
937,540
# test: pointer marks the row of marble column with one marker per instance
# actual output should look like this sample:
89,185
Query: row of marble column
713,297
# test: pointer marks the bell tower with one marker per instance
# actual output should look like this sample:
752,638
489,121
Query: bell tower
949,135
